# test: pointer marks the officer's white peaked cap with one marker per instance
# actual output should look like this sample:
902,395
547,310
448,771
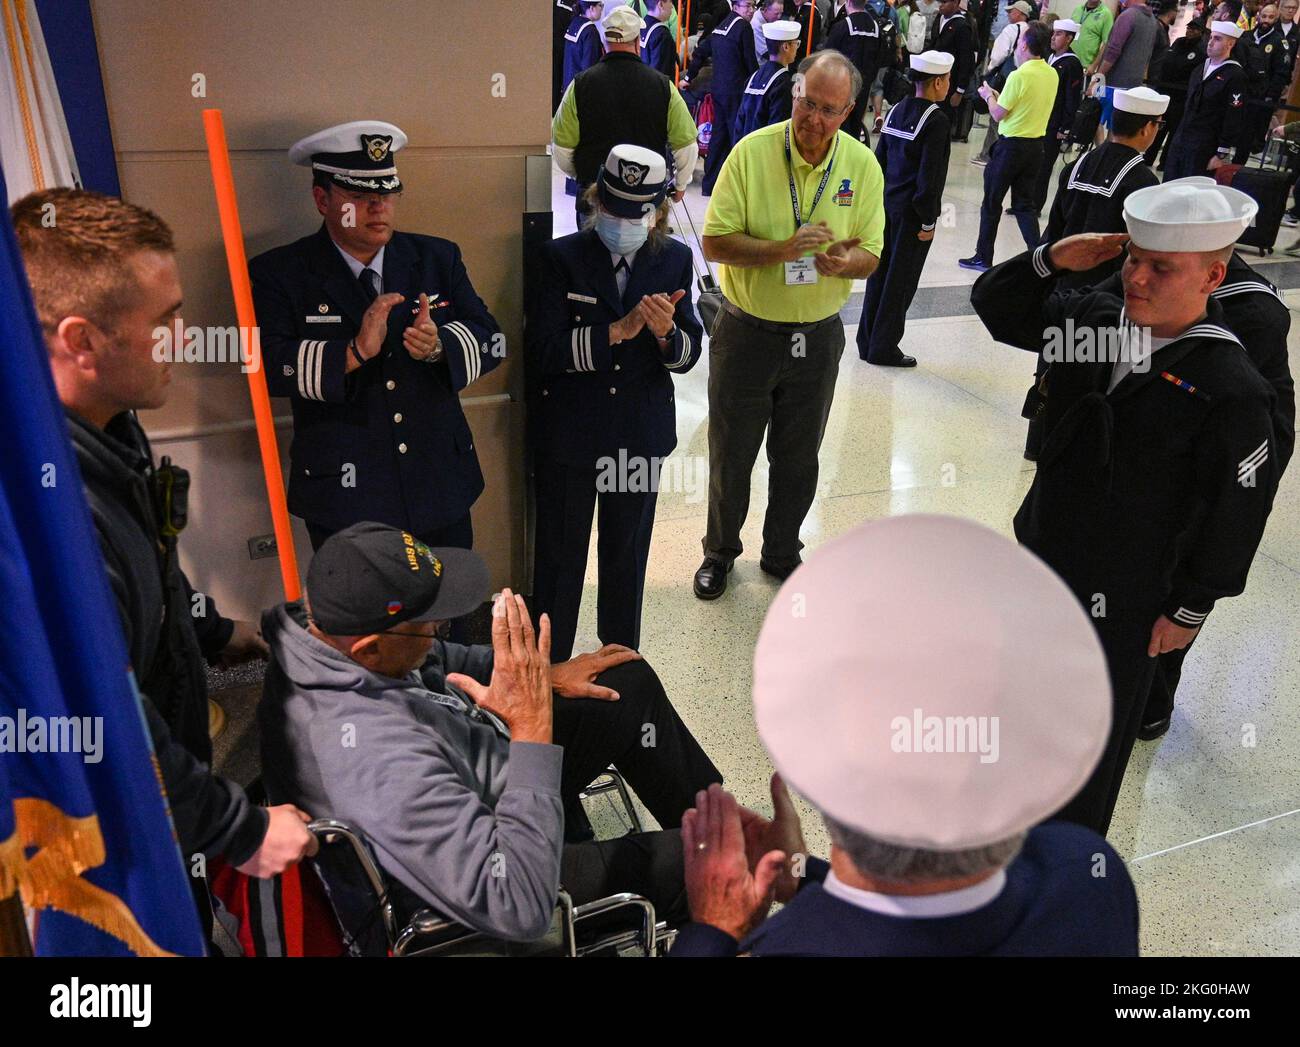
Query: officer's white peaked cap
1188,214
358,154
931,683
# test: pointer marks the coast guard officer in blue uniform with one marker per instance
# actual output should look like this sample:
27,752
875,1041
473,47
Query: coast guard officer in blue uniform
935,779
372,333
609,325
731,48
769,95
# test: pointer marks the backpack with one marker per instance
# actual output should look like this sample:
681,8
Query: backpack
704,121
916,29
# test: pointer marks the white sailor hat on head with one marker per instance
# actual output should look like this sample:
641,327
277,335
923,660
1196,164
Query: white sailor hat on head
1188,214
1066,25
623,25
1226,29
1140,100
935,62
781,30
356,155
941,749
633,181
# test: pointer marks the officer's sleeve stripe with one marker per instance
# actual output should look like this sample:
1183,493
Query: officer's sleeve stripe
310,358
320,367
1191,619
686,350
586,349
468,348
575,344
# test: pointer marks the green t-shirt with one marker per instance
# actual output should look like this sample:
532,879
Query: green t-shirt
1094,31
1028,99
752,196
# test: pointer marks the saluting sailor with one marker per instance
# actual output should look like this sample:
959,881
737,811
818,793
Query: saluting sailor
1159,461
371,333
769,95
913,152
1255,312
610,323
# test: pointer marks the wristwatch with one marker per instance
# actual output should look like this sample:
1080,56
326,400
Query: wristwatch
436,355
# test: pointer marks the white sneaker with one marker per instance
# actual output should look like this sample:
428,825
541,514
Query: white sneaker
979,161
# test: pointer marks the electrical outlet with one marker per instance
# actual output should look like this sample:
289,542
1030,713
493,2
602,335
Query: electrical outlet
261,546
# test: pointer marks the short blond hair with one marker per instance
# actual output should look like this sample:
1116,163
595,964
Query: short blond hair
76,246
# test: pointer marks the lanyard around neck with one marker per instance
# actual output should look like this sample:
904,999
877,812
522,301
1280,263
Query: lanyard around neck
799,220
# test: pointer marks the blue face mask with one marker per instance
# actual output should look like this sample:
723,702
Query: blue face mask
621,235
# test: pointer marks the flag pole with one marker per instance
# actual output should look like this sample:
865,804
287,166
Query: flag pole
228,208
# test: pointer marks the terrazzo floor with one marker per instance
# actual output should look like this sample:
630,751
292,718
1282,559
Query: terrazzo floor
1210,827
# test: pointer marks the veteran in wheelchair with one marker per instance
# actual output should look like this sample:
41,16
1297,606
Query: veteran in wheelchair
454,774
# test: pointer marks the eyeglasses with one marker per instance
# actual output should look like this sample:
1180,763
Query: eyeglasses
809,106
443,629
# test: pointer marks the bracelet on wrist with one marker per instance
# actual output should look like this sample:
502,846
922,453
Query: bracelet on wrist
352,348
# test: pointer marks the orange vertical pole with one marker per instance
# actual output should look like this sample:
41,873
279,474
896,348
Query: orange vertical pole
228,208
677,78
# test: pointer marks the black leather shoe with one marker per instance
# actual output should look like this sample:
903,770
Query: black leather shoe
780,573
901,360
1149,732
711,579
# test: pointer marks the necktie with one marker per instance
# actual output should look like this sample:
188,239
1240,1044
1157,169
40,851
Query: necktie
369,284
622,274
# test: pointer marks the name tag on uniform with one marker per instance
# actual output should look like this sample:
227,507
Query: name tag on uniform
800,271
573,296
322,319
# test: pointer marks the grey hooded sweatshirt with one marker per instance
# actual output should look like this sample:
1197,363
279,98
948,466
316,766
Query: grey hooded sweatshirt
468,820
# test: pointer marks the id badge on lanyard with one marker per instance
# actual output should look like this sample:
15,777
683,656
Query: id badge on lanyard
802,271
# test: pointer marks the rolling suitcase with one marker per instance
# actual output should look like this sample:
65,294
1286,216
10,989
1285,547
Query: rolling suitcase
963,120
1269,189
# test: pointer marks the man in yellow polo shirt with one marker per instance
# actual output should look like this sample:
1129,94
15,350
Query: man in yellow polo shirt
796,216
1022,111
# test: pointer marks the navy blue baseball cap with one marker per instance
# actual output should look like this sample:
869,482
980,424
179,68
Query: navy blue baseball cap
370,577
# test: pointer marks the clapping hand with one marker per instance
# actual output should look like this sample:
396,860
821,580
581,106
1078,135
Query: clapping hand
837,259
722,890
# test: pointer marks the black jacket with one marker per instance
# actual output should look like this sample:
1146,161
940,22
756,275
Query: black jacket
913,149
955,37
1154,494
166,639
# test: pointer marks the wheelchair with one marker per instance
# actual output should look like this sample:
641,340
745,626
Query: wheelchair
378,916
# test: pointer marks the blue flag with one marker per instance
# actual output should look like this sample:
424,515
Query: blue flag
84,824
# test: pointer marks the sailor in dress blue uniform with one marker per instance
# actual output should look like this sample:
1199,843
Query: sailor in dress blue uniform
913,152
731,49
582,43
372,333
769,95
610,324
934,782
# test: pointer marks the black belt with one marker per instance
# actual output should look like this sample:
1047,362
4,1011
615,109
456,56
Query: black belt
775,325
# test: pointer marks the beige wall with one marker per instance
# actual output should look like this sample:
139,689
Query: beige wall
279,70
